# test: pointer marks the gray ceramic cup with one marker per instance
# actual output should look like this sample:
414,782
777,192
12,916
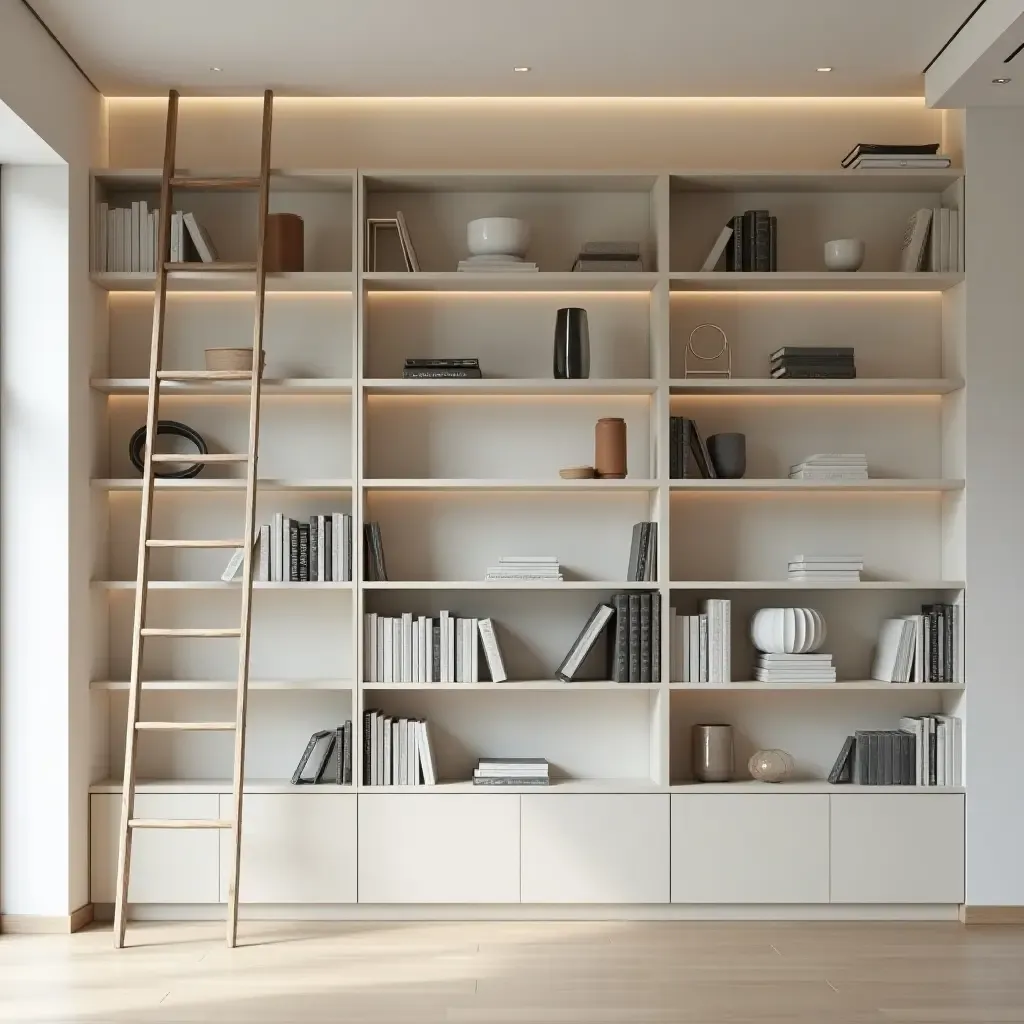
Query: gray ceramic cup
728,455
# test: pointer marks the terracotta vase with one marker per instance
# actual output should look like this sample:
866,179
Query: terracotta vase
610,448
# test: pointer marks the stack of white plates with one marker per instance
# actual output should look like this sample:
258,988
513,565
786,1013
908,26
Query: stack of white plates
831,467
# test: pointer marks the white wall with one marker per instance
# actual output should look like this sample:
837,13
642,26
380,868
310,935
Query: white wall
48,317
995,504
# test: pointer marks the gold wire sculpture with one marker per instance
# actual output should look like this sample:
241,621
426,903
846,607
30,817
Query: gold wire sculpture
725,351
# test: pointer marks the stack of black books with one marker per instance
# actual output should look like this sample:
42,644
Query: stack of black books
458,369
633,621
796,362
688,454
754,242
607,257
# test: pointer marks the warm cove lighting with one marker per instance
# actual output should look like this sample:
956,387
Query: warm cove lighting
521,68
825,69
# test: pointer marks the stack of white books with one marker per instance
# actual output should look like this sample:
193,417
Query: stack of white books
496,264
795,668
826,568
831,467
525,567
511,771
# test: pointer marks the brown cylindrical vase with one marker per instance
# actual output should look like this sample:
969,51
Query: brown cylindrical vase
610,448
284,243
712,753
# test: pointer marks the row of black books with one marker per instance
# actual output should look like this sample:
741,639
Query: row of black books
805,362
327,758
455,369
643,554
925,648
397,751
688,453
293,551
634,655
924,751
750,243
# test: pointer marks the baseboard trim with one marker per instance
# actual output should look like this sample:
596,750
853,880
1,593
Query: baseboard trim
991,915
37,924
536,912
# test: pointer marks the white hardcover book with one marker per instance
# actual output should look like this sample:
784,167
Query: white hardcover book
389,646
702,626
398,655
102,241
890,639
414,630
474,650
345,548
429,663
427,756
451,648
726,641
459,660
412,757
110,259
175,246
423,649
443,638
492,651
694,648
145,241
200,239
334,555
717,249
265,552
387,758
684,629
914,239
381,677
407,646
133,237
953,241
275,547
940,753
369,647
234,566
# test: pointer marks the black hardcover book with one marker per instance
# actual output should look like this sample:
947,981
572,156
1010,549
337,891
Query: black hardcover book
441,372
656,637
297,779
338,775
641,565
314,549
435,652
749,227
326,756
378,550
773,242
645,638
886,149
686,468
933,644
860,758
674,469
634,554
367,747
303,542
328,549
634,638
947,635
933,777
875,758
734,250
909,759
841,770
885,740
813,352
464,363
651,572
618,670
840,372
762,246
795,362
584,643
346,764
293,553
700,452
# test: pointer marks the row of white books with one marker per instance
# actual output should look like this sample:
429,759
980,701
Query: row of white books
940,744
925,648
126,239
700,648
831,467
511,771
795,668
933,241
411,648
397,751
525,567
825,568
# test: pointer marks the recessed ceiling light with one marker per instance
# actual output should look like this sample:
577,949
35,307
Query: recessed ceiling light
1000,81
214,68
522,68
822,69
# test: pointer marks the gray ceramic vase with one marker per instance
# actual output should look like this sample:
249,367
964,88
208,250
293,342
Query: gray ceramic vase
728,455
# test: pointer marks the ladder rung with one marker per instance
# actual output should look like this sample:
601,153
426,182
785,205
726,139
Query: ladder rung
179,823
187,375
215,633
217,267
194,544
187,726
198,457
229,183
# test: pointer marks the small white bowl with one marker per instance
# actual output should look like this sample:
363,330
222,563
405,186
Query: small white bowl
844,254
498,236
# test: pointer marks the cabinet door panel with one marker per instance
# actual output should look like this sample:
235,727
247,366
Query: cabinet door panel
296,848
595,848
168,865
438,848
898,848
750,848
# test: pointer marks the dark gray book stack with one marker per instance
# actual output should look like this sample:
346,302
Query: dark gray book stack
636,638
804,362
643,554
753,246
687,453
609,257
452,368
327,758
924,751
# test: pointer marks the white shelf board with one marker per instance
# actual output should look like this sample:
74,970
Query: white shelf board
509,386
909,180
270,386
867,387
505,181
229,281
844,684
816,585
555,786
511,281
536,684
814,281
281,179
218,585
878,484
476,484
216,786
809,786
574,585
225,684
216,485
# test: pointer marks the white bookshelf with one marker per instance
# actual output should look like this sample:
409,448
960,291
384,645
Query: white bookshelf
459,473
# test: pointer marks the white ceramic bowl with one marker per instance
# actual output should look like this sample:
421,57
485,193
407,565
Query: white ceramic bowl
844,254
787,630
498,236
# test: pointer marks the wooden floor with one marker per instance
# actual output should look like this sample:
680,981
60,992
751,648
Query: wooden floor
556,973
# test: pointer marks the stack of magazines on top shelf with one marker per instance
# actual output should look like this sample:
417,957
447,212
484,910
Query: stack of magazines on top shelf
834,468
526,567
444,368
866,156
511,771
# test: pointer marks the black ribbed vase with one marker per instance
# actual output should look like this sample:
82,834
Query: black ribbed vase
572,344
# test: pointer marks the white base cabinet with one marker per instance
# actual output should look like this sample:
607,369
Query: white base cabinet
595,849
438,848
168,865
750,848
296,848
896,848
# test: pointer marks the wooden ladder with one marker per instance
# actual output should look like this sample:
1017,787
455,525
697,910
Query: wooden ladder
140,631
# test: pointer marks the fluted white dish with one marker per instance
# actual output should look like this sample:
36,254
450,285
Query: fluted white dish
787,630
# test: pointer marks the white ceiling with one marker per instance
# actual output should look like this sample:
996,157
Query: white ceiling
469,47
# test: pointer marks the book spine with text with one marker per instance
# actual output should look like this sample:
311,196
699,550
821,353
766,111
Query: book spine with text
645,638
634,638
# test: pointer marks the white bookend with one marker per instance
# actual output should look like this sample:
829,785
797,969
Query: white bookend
492,651
370,649
427,756
200,239
717,249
